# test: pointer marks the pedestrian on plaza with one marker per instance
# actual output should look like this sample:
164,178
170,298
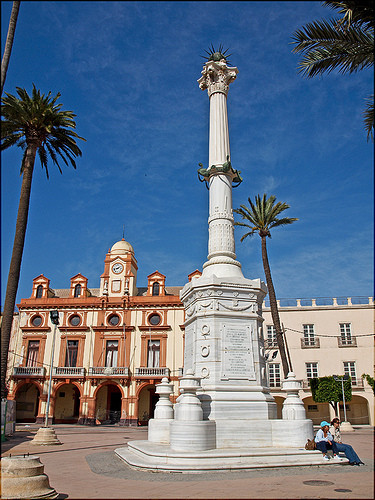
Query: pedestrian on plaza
350,454
324,441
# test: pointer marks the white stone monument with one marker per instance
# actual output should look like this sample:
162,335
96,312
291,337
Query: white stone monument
225,417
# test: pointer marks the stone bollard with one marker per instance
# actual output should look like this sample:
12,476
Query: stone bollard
158,427
45,436
346,427
164,407
188,430
24,478
293,407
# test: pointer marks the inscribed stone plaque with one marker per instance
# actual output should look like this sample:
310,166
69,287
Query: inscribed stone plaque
238,361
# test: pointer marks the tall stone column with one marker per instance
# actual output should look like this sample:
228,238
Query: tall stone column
224,343
216,77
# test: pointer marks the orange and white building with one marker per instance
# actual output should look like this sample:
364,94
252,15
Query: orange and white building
113,344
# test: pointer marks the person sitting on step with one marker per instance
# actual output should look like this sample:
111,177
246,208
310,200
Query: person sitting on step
324,441
350,454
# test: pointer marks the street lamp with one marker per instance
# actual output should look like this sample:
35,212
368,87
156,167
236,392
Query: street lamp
54,315
338,379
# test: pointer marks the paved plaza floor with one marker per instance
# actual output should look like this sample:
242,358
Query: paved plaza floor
85,466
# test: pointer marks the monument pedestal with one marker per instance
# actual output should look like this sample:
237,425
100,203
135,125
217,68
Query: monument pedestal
224,346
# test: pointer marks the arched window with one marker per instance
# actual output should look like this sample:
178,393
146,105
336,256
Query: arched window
77,290
155,288
39,292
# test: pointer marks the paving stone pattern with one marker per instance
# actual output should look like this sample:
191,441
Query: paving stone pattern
85,466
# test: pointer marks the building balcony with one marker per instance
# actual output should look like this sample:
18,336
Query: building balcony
305,384
357,383
151,372
108,371
29,371
347,342
270,344
68,371
310,343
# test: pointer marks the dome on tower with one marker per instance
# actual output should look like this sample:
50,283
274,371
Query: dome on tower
122,247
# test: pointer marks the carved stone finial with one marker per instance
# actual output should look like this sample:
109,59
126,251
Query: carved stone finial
216,77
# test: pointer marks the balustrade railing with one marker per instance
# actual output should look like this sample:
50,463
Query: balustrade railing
357,382
152,372
68,371
347,342
310,343
29,371
270,344
109,371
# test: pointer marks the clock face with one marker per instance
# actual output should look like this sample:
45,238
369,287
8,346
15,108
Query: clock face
117,268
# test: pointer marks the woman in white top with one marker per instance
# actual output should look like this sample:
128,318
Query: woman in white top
350,454
324,441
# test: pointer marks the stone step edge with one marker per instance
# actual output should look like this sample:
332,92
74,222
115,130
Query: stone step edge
139,461
155,449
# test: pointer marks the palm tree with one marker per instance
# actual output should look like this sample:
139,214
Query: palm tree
9,43
37,125
262,217
346,44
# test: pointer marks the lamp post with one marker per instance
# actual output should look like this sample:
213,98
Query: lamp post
344,425
46,435
54,315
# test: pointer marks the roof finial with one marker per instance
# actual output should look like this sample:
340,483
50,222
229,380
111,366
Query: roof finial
123,231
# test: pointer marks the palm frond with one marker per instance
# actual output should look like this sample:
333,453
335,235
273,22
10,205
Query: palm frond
263,215
39,119
369,117
325,48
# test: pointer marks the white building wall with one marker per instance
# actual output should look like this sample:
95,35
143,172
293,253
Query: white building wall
329,356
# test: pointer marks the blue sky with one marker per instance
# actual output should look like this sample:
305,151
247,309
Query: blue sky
129,71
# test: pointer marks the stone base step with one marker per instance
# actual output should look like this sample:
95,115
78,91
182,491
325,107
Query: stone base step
159,457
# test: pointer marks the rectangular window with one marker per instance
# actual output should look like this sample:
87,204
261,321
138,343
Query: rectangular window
346,333
274,374
309,335
312,407
271,336
32,353
153,357
349,369
111,353
312,370
71,353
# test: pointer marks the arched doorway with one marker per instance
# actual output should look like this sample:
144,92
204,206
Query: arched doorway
27,403
357,411
67,404
147,400
316,411
108,404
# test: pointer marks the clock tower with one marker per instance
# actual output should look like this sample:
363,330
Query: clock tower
120,271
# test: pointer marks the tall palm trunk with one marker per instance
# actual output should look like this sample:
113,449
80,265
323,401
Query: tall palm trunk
274,308
15,263
9,42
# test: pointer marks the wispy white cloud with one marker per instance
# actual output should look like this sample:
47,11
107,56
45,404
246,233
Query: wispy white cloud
129,71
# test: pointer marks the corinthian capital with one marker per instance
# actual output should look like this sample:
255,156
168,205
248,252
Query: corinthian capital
216,77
